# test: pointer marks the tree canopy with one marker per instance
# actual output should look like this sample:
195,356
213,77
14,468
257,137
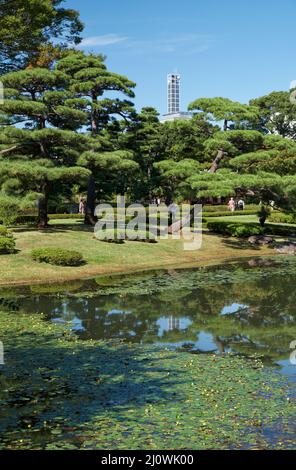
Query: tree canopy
32,29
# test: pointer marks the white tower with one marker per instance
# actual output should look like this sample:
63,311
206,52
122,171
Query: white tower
174,93
174,113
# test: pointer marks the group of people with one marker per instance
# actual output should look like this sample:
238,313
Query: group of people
236,205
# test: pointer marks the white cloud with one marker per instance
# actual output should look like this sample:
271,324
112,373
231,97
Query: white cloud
187,44
105,40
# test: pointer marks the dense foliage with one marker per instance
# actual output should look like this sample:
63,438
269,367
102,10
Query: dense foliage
34,32
69,129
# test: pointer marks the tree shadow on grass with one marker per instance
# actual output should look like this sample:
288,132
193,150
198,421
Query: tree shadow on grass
240,244
57,228
70,387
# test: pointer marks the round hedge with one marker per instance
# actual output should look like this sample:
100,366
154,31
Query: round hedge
7,245
58,256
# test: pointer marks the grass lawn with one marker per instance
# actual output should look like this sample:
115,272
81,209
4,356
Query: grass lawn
104,258
61,393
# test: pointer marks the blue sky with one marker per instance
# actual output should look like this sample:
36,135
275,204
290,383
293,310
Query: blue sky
239,49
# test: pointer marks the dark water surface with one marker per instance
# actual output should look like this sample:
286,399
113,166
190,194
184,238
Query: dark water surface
246,308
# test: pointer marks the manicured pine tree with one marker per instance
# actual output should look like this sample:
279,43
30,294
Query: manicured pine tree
231,113
44,151
143,136
90,81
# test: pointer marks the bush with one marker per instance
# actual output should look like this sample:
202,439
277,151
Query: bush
251,228
228,213
7,245
281,218
65,216
116,236
281,230
9,209
57,256
224,208
245,231
4,232
234,229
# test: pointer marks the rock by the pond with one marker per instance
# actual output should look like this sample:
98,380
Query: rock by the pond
286,248
260,240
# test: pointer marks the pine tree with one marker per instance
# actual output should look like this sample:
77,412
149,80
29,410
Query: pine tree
42,153
89,81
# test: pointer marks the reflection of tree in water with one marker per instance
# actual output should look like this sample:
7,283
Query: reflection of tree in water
246,317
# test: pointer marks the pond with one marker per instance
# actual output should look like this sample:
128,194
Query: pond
172,359
245,308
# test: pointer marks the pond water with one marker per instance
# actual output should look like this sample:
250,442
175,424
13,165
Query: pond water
245,308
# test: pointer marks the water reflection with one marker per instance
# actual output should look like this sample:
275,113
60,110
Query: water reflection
245,315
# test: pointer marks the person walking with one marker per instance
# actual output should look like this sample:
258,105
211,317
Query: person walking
82,207
241,205
231,205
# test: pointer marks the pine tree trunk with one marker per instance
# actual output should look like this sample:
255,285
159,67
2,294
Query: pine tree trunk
215,164
91,202
43,208
89,218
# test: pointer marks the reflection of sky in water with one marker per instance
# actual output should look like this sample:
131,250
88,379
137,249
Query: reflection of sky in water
288,369
244,318
229,309
172,323
75,324
205,342
119,312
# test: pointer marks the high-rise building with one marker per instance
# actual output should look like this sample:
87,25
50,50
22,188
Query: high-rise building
173,96
174,93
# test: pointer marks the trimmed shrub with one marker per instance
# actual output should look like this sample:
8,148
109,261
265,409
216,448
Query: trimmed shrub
65,216
229,213
245,231
7,245
224,208
281,230
4,232
234,229
252,228
117,236
57,256
281,218
31,219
